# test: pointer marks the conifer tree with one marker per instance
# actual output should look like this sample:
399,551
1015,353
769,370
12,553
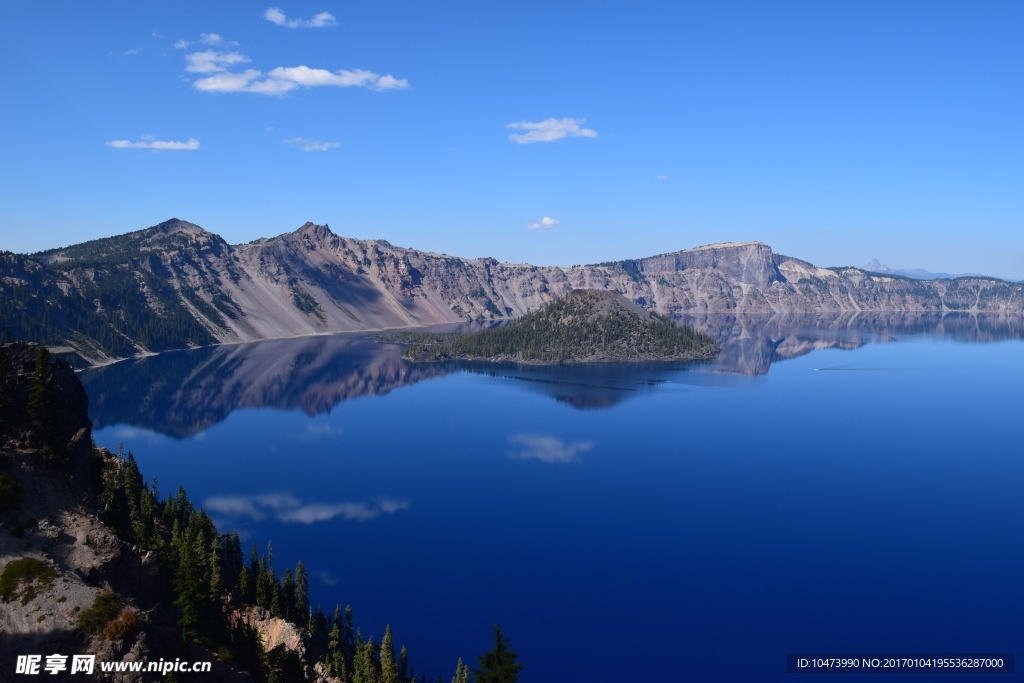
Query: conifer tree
403,664
388,670
336,658
365,669
245,585
347,629
499,665
44,405
216,583
461,672
275,597
288,597
301,591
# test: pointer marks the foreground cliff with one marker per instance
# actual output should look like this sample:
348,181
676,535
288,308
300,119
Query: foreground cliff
176,285
93,562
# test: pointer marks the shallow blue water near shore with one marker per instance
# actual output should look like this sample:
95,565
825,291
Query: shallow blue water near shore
623,524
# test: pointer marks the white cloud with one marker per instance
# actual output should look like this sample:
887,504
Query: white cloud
181,44
389,82
290,510
131,52
282,79
547,449
303,75
549,130
211,61
661,177
210,39
156,145
545,223
321,20
312,145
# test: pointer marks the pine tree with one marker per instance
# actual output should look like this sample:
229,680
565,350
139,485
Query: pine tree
365,669
245,585
461,672
388,670
288,597
44,405
499,665
347,628
301,591
336,658
216,582
403,664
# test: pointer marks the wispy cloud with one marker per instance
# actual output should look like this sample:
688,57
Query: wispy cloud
214,39
290,510
547,449
181,44
661,177
281,79
131,52
549,130
545,223
321,20
211,61
157,145
312,145
327,578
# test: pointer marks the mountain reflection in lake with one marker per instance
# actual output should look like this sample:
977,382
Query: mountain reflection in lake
182,393
647,522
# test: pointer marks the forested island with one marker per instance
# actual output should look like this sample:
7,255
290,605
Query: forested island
96,561
585,326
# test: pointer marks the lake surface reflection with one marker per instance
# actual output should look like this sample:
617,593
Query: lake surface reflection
623,523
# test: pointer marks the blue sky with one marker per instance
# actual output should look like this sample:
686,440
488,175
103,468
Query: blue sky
833,131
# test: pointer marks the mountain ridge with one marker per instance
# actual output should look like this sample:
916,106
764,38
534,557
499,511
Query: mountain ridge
177,285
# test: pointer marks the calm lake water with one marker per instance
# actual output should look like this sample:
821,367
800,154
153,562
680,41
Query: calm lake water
829,486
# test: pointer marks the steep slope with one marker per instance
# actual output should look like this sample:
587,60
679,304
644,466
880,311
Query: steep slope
176,285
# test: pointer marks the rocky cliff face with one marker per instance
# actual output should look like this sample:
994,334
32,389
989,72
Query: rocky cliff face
177,285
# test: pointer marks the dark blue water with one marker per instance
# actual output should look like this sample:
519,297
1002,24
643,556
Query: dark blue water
623,524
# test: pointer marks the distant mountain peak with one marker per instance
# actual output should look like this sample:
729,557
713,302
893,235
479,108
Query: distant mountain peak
176,225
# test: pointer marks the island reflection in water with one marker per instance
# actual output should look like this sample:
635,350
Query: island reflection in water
183,393
724,513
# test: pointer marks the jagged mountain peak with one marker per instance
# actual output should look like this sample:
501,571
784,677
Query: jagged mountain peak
311,228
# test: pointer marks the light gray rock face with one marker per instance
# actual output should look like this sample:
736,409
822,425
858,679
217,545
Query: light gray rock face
312,281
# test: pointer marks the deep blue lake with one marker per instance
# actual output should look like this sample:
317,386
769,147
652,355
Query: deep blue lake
829,490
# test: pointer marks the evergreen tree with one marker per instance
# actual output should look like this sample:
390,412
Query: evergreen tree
335,655
388,670
403,664
216,582
365,669
301,591
499,665
44,406
461,672
245,588
347,628
288,598
275,597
